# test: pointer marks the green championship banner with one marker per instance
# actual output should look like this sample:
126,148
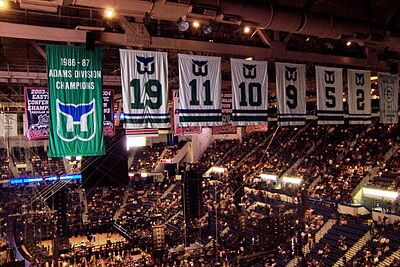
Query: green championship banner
75,92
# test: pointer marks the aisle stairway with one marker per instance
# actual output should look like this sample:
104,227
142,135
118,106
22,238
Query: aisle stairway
352,231
319,235
388,260
124,202
169,190
354,249
160,166
85,213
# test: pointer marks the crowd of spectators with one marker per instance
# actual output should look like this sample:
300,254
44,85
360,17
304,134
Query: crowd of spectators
388,176
171,151
334,144
238,217
214,153
19,154
146,158
337,241
358,157
290,146
103,202
5,172
47,167
383,242
75,209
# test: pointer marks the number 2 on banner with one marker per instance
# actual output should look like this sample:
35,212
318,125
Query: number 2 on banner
153,89
251,87
194,99
360,99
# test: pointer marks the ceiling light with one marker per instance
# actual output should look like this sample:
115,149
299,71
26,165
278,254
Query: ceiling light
248,58
183,25
3,4
196,24
348,43
109,13
246,30
307,39
207,29
374,78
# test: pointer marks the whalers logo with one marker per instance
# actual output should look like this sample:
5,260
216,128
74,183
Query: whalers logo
291,73
388,94
200,68
145,65
72,121
249,71
329,77
359,79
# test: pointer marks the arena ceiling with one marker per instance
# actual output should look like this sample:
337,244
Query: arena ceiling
305,31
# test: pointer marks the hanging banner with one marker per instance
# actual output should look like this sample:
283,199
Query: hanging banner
224,129
250,92
388,97
36,113
261,128
36,126
291,93
359,96
8,125
329,95
226,107
75,91
142,132
144,78
179,131
199,91
108,112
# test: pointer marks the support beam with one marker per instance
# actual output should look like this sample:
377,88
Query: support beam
40,78
309,4
39,50
277,50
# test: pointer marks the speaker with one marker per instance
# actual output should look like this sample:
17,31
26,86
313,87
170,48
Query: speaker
394,68
158,236
192,194
108,170
90,41
57,202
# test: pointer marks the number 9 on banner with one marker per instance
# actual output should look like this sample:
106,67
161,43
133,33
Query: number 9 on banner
153,90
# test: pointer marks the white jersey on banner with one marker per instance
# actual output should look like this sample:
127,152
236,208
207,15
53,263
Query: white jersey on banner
359,96
388,97
8,125
329,95
199,91
291,93
144,78
250,92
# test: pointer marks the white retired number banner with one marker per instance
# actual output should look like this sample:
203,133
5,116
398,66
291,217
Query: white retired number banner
250,92
329,95
8,125
144,81
359,97
199,91
291,93
388,97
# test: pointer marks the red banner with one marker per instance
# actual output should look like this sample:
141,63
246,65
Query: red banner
261,128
